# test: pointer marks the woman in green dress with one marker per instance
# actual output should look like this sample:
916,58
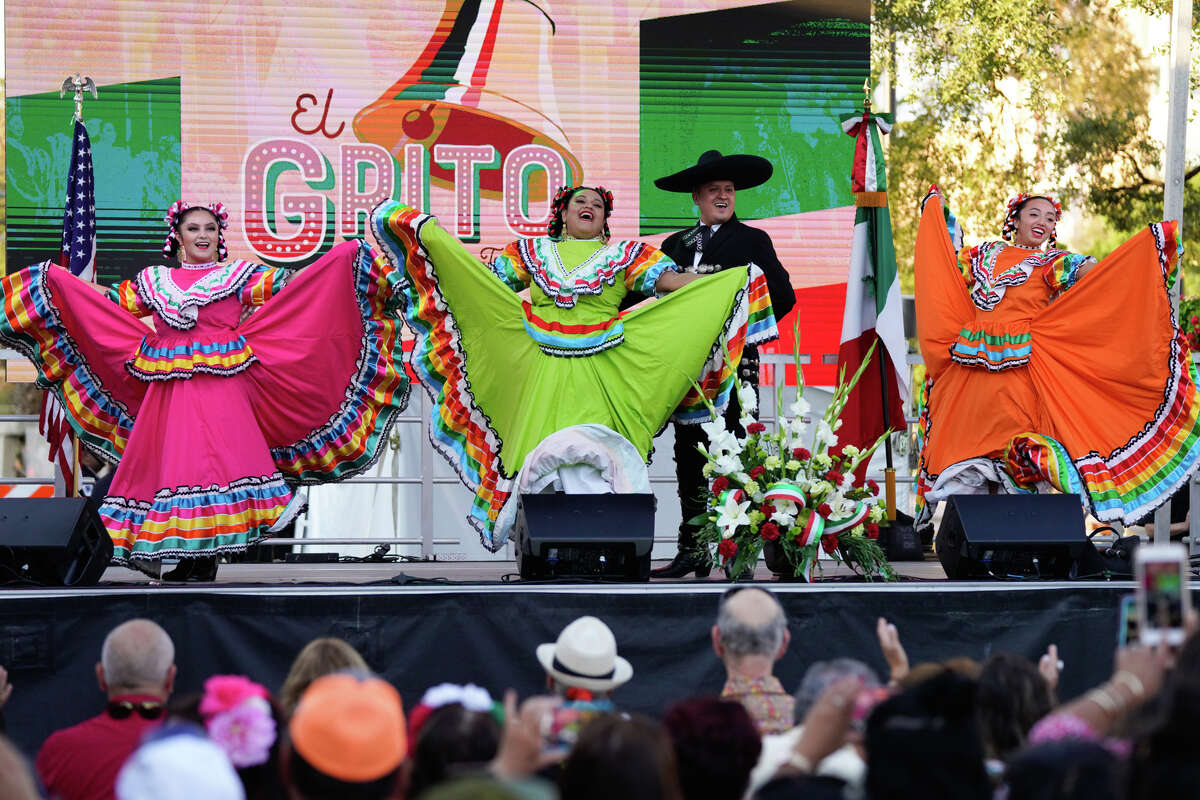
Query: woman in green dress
537,344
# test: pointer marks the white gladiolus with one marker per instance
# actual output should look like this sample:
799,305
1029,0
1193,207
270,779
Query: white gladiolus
800,406
825,435
727,464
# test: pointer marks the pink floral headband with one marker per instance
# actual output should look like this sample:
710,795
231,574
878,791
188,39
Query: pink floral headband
238,719
1014,208
175,216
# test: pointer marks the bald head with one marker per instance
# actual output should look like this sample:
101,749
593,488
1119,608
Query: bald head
138,657
751,622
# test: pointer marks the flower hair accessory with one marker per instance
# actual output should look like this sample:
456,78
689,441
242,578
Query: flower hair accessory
1014,207
471,697
238,718
175,216
558,208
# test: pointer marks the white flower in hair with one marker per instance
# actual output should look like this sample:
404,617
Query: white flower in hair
470,697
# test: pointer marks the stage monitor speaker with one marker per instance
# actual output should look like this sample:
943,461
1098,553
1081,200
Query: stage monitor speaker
584,536
1011,536
54,541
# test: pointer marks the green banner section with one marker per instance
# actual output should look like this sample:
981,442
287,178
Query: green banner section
135,134
770,80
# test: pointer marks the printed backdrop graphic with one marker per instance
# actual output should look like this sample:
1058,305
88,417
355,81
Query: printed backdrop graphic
303,117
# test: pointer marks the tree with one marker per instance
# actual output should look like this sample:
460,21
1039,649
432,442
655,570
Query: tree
1017,95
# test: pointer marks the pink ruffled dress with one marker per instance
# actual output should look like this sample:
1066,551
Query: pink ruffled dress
253,379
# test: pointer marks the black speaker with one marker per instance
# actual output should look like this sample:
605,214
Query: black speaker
584,536
1011,536
54,541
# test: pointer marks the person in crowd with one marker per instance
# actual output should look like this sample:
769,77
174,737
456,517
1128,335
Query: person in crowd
178,762
6,690
346,740
716,747
925,742
617,756
195,411
323,656
846,763
16,779
507,372
239,716
453,730
1022,395
1071,769
718,241
1161,763
749,636
137,673
1013,696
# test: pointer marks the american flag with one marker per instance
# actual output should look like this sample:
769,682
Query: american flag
78,254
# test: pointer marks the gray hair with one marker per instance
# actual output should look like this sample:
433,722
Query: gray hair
136,654
740,637
823,674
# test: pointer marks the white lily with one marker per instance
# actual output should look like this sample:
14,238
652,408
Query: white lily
785,512
731,514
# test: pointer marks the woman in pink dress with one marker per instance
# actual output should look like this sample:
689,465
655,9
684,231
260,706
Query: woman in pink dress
239,391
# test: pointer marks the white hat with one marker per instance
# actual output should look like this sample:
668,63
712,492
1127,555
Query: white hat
176,764
585,656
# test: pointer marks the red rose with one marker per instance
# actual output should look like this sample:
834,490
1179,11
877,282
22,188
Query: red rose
756,472
720,484
872,530
824,510
769,531
873,486
727,548
835,477
801,453
767,510
829,542
755,427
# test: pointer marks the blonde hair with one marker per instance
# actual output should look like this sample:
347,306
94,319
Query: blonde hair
319,657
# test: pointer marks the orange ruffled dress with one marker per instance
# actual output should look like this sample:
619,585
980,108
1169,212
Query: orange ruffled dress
1039,380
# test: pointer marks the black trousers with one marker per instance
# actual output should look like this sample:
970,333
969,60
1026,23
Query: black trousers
689,462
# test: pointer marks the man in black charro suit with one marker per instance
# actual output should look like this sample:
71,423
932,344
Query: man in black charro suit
718,241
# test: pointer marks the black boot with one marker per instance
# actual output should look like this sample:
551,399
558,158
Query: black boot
683,564
193,570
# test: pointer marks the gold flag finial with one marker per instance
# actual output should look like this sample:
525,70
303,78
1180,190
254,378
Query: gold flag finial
79,85
867,93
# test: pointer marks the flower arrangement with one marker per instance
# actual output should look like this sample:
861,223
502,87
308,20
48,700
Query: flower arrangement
238,718
790,491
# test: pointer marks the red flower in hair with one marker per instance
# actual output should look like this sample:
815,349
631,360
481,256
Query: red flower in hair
755,472
720,484
727,548
829,543
755,427
769,531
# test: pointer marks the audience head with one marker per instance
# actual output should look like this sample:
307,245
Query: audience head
347,740
452,739
240,718
138,657
178,762
1071,769
716,747
1163,762
585,657
823,674
16,779
1013,695
751,630
925,743
478,787
319,657
618,757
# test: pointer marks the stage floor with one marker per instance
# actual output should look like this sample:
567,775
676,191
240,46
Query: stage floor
459,572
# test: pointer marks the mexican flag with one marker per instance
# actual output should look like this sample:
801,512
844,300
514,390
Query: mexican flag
873,307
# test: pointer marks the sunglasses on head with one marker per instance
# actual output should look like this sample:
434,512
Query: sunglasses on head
147,709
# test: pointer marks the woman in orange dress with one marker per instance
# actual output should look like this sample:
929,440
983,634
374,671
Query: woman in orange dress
1049,371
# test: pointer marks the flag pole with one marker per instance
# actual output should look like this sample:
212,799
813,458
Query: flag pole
879,200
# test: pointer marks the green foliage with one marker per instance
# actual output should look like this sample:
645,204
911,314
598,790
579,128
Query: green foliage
1019,95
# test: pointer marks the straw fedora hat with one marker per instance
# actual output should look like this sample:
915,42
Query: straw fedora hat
585,656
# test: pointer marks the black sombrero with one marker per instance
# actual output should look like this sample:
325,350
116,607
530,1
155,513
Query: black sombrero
746,172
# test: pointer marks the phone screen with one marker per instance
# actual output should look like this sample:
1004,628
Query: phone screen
1162,588
1127,632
